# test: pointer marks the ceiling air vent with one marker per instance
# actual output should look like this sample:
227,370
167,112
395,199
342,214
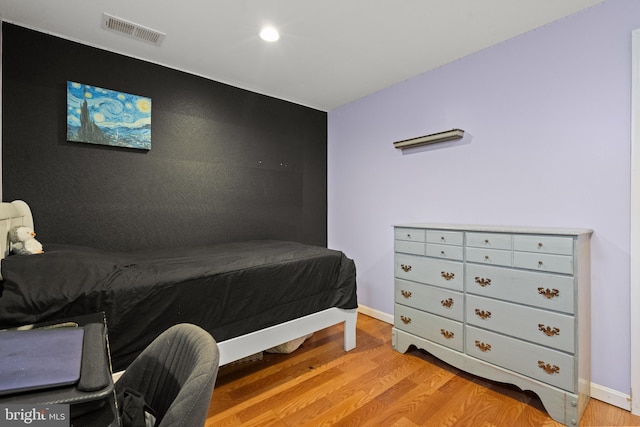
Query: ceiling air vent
130,29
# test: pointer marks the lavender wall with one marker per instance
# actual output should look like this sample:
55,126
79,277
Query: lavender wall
547,143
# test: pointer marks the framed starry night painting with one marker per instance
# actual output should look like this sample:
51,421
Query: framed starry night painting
107,117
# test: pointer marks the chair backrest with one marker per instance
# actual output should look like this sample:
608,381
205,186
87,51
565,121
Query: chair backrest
176,375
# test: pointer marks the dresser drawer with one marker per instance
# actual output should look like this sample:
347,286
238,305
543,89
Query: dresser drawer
489,240
544,290
445,251
447,274
410,234
543,244
543,364
429,326
544,327
543,262
429,298
445,237
488,256
405,246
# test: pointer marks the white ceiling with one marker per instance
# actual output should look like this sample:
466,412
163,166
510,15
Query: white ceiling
331,52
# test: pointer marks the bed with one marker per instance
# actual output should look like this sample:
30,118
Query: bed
250,296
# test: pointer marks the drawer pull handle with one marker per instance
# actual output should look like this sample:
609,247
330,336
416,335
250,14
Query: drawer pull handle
486,241
486,257
482,281
483,314
406,320
548,330
549,293
549,369
447,302
442,238
405,268
409,235
447,334
442,253
447,276
483,347
405,294
540,245
539,263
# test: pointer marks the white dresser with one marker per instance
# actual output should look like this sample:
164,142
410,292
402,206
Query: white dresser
510,304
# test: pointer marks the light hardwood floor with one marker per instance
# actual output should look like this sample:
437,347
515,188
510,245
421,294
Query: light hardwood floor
373,385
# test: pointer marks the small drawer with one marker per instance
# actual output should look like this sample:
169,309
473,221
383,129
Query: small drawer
543,244
445,237
489,240
432,271
445,251
429,298
543,364
544,290
429,326
489,256
543,262
543,327
410,234
407,247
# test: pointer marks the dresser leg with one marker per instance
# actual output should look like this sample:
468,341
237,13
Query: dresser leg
399,342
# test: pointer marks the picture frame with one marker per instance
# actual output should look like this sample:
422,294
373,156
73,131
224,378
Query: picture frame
107,117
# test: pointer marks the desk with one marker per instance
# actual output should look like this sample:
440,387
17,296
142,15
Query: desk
101,409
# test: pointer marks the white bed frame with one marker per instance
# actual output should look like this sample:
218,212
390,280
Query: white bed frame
19,213
245,345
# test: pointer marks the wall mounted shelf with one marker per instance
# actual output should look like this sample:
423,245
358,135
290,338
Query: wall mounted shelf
430,139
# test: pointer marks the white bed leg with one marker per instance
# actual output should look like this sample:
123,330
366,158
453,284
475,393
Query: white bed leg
351,316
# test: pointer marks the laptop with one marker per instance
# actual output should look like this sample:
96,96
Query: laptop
39,359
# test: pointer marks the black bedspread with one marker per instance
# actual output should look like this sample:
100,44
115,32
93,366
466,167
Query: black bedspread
228,289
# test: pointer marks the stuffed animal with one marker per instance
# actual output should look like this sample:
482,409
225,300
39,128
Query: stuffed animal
23,242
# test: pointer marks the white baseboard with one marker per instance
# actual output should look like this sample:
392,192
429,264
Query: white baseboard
612,397
385,317
604,394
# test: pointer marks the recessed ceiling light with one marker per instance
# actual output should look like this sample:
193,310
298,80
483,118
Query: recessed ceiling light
269,34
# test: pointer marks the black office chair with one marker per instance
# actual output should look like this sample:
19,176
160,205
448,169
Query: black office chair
176,375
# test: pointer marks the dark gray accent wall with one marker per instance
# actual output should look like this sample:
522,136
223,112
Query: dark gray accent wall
225,163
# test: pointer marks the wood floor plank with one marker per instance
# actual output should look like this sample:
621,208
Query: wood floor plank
359,416
222,409
599,413
380,379
403,422
338,412
373,385
297,397
410,405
